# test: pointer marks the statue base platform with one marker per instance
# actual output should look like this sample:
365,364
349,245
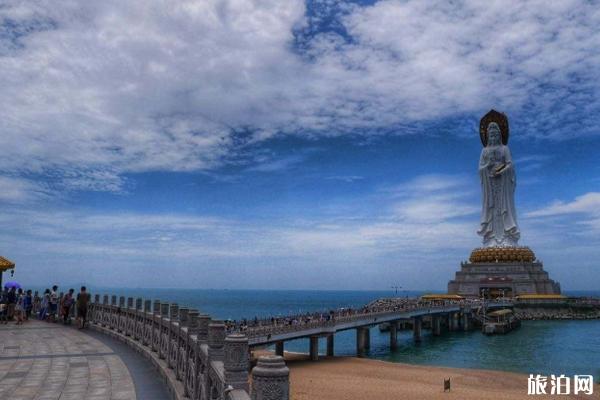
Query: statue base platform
502,272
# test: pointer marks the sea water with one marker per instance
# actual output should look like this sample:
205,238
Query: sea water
544,347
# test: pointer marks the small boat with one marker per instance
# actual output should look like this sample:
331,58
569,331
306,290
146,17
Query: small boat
500,322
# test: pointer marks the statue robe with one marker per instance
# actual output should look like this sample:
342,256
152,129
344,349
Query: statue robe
498,217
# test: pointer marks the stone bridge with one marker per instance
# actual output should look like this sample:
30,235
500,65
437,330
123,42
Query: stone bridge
455,315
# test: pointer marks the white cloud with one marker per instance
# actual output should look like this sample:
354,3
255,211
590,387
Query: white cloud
18,190
588,203
93,90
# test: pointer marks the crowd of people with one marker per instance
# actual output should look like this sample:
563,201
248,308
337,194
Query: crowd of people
19,305
381,305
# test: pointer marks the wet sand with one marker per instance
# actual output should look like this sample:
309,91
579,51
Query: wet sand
349,378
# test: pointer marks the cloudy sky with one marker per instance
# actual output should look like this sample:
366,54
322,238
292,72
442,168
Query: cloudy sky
291,144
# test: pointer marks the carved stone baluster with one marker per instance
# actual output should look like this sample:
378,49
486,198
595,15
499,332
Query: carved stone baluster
270,379
173,336
156,321
216,340
138,325
165,325
114,318
182,357
148,323
236,361
193,355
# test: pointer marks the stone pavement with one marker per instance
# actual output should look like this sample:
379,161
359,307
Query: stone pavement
45,361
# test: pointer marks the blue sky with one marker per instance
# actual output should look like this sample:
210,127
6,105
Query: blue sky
320,144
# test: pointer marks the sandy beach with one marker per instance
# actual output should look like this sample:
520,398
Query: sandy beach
349,378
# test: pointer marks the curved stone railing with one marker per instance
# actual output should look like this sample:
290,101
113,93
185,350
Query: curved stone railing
198,360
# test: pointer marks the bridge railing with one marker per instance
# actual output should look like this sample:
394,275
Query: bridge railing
198,359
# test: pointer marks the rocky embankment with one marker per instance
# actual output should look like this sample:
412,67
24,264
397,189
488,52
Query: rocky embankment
559,313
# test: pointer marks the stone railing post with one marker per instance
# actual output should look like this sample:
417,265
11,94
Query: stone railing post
129,318
165,331
270,379
164,310
148,324
183,317
216,340
174,312
114,317
181,359
156,321
138,320
236,361
104,315
191,370
173,344
193,322
122,318
203,322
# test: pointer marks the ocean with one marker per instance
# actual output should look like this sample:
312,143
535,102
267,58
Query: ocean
544,347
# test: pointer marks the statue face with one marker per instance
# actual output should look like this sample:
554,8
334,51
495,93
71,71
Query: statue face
493,133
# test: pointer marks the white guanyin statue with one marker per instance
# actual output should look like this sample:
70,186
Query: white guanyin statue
498,181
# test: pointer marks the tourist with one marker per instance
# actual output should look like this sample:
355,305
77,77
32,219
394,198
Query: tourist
28,304
53,304
45,304
36,303
3,307
20,307
11,300
83,298
66,304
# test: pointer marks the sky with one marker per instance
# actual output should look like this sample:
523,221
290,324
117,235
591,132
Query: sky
291,144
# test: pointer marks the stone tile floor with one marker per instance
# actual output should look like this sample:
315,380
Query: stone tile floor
46,361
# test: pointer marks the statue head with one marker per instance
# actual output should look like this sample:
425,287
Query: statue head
493,134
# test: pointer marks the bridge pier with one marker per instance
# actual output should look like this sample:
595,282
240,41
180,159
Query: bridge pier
314,348
436,325
362,340
466,323
330,342
453,322
417,328
393,335
279,348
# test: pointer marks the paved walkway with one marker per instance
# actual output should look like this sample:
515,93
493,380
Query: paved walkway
42,361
